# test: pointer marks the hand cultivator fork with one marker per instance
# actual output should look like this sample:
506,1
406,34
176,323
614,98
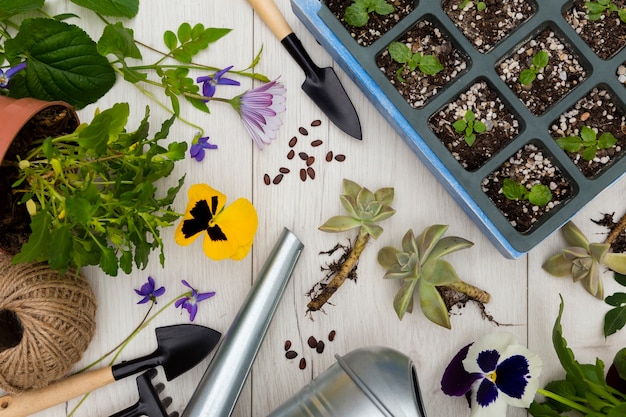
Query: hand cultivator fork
149,403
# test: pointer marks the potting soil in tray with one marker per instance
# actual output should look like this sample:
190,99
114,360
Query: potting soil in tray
573,70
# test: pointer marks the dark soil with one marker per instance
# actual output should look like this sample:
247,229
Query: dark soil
14,219
598,111
377,25
484,102
606,36
486,28
562,74
528,166
428,39
609,221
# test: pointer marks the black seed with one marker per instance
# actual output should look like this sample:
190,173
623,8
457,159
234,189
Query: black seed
329,156
340,158
291,154
331,335
311,172
303,155
316,142
320,346
284,170
312,342
287,344
293,142
277,179
310,160
303,131
302,364
303,174
316,123
290,354
266,179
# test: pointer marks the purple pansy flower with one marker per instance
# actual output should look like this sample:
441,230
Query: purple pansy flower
259,109
149,292
496,372
190,303
209,83
5,77
197,149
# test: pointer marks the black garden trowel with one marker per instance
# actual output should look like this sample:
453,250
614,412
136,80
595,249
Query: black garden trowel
179,348
321,84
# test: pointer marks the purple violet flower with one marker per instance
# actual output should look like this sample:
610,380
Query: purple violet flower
259,109
190,303
149,292
197,149
209,83
5,77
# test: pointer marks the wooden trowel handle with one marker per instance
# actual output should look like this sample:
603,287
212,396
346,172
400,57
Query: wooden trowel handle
29,402
273,18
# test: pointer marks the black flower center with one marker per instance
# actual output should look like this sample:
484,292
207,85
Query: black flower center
202,216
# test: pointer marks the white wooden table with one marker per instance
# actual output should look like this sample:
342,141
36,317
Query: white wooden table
523,295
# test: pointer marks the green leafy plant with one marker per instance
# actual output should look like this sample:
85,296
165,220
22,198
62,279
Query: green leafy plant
582,260
469,126
540,61
589,141
419,266
92,197
58,60
401,53
585,390
615,318
538,194
365,209
480,5
595,9
357,14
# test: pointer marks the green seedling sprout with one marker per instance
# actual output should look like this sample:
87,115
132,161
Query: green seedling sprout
469,126
538,195
595,9
401,53
540,61
357,14
589,141
480,6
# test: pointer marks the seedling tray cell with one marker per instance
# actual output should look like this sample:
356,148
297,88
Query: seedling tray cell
411,123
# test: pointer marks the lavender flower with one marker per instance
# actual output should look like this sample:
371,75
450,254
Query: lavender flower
209,83
197,149
149,292
5,77
190,302
259,109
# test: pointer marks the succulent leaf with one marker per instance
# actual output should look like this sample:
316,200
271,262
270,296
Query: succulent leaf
339,224
373,230
449,244
439,272
581,268
616,262
388,257
396,272
385,195
558,265
408,242
433,305
403,300
428,239
383,214
573,252
598,251
349,204
363,199
574,236
351,188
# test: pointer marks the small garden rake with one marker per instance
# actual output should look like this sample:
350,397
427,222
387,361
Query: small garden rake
149,403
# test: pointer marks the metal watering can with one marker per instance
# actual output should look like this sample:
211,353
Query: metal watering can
367,382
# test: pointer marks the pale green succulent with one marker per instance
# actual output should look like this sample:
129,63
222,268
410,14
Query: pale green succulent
420,266
582,260
365,209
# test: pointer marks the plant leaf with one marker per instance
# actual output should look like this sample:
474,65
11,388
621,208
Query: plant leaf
427,241
439,272
388,257
36,249
59,253
355,15
340,224
119,41
570,143
9,8
433,305
63,63
117,8
404,298
399,52
574,236
449,244
616,262
614,319
587,134
606,140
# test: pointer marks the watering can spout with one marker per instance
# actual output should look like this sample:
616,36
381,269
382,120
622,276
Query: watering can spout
223,380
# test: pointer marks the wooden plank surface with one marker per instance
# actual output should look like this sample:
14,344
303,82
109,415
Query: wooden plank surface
524,298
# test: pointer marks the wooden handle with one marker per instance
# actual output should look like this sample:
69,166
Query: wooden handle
273,18
29,402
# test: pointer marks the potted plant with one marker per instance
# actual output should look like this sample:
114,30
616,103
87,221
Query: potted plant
530,56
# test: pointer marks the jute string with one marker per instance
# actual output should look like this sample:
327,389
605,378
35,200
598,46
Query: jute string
57,314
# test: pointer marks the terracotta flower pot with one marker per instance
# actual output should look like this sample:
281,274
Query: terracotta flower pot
15,113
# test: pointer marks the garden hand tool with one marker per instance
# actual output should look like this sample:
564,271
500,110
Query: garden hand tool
149,403
223,380
179,348
321,84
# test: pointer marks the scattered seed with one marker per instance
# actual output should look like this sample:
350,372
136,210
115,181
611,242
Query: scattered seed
277,179
310,160
316,123
311,172
329,156
303,155
320,347
284,170
303,131
291,154
290,354
302,364
312,342
287,345
266,179
584,116
331,335
340,157
303,174
293,142
316,142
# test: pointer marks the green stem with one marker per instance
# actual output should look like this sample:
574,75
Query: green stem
579,407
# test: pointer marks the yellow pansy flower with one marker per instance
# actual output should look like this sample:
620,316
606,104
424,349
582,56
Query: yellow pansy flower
228,231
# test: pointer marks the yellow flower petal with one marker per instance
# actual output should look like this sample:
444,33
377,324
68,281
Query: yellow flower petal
198,194
238,222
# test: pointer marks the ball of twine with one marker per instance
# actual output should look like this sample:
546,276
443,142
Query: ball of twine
57,316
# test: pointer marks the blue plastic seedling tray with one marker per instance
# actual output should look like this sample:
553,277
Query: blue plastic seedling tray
359,62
